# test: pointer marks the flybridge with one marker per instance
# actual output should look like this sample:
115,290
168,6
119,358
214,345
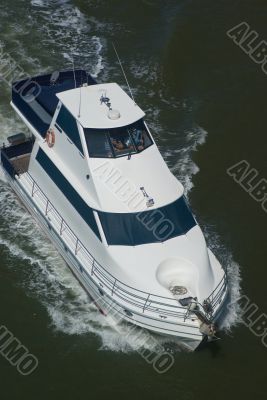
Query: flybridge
98,114
35,100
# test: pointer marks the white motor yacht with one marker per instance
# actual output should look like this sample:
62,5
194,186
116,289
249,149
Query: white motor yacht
92,176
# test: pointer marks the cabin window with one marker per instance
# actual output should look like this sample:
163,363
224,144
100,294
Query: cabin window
153,226
68,191
69,125
98,143
118,142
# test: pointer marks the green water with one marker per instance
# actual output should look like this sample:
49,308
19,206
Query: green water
205,103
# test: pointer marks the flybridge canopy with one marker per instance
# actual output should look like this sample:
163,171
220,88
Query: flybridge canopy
102,106
35,98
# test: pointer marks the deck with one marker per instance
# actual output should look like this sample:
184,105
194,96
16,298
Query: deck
21,163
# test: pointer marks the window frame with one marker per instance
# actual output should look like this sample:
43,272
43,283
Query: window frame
178,213
113,151
71,140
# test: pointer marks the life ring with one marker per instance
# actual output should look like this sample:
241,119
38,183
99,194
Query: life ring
50,138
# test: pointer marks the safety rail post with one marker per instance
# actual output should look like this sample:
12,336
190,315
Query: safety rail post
33,186
93,267
113,287
76,247
212,298
186,314
61,226
46,208
146,303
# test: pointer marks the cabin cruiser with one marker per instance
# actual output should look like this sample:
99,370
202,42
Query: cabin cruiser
92,176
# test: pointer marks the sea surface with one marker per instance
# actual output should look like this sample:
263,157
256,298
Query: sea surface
205,101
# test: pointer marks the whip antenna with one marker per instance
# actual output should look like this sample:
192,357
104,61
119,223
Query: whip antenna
74,76
130,90
75,82
80,103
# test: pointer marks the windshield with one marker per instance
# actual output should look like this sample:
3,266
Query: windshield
117,142
159,225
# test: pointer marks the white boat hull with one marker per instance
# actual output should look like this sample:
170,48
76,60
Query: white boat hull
189,336
111,206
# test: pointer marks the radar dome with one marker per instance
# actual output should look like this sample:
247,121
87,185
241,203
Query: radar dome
114,114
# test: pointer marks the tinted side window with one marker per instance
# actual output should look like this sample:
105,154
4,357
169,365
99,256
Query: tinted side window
118,142
158,225
69,125
98,143
68,191
140,136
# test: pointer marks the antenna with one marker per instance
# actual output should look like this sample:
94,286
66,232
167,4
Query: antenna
74,76
130,90
80,102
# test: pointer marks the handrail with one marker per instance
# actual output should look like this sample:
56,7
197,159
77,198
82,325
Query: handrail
215,297
111,285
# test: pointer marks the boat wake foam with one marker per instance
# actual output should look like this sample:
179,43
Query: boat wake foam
231,316
71,34
185,168
181,142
